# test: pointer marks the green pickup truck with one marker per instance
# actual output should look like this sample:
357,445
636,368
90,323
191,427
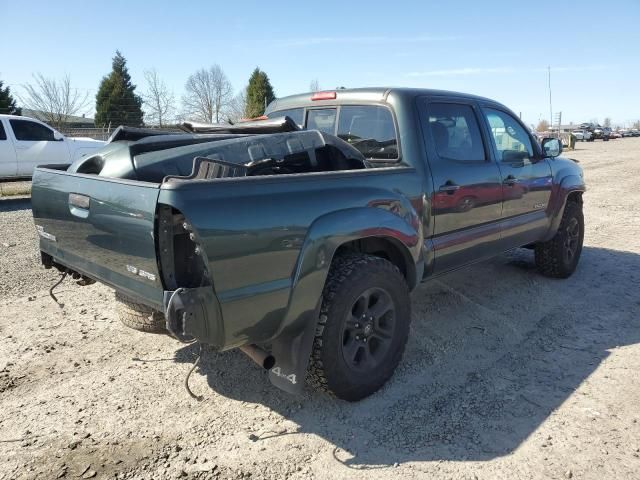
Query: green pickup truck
297,238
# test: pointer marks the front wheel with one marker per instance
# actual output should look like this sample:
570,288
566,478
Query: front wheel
362,329
559,256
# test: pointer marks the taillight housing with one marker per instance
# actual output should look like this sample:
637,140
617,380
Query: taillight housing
181,258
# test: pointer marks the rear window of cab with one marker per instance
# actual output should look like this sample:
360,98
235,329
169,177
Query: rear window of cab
369,128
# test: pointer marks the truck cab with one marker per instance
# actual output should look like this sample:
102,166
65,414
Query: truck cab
488,183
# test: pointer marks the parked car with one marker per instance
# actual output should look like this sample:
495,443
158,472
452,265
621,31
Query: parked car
301,246
614,134
601,133
626,133
26,142
582,135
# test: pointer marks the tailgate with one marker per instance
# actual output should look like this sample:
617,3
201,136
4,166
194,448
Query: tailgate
101,227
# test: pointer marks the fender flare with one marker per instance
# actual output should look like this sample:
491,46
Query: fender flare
292,344
568,185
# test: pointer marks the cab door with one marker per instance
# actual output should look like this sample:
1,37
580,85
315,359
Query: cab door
526,179
466,204
35,145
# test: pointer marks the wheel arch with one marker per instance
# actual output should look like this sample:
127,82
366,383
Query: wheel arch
385,247
570,188
365,229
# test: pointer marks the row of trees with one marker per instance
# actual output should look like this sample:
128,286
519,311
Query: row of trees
208,97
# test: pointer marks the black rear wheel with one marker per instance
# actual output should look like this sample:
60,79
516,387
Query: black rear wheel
363,327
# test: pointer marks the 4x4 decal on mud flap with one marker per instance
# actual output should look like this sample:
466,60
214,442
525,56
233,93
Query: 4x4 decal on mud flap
279,373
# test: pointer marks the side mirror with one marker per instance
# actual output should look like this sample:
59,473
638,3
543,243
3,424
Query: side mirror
57,136
551,147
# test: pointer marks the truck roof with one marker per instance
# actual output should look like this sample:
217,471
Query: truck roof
357,95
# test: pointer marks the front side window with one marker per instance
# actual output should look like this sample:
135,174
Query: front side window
370,129
455,132
295,114
323,119
3,134
510,139
31,131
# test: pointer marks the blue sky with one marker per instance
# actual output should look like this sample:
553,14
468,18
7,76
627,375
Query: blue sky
497,49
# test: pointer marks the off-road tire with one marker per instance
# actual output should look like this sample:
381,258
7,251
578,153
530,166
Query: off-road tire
351,275
550,256
138,316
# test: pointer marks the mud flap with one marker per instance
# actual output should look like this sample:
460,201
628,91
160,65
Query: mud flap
292,350
194,313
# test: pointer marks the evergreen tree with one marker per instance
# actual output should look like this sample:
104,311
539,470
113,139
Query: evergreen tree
259,93
7,103
116,102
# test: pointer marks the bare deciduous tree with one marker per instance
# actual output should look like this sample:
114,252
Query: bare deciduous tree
543,126
314,86
607,122
55,99
208,93
159,101
237,109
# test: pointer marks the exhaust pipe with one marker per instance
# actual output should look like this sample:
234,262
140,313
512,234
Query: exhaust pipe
258,355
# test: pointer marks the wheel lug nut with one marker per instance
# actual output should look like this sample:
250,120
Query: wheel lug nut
357,337
365,340
357,325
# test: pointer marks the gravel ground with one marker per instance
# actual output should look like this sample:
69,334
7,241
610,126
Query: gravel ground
507,374
15,188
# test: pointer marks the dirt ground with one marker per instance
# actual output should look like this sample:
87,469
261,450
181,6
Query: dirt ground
507,374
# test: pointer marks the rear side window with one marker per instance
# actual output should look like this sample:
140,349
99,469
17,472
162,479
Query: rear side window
30,131
323,119
455,132
295,114
370,129
3,134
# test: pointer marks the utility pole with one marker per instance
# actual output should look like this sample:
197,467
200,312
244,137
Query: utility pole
550,109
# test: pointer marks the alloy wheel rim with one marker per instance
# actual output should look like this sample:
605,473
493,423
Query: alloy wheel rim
368,330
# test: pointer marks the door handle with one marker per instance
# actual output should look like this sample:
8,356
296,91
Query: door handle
79,205
510,180
449,187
